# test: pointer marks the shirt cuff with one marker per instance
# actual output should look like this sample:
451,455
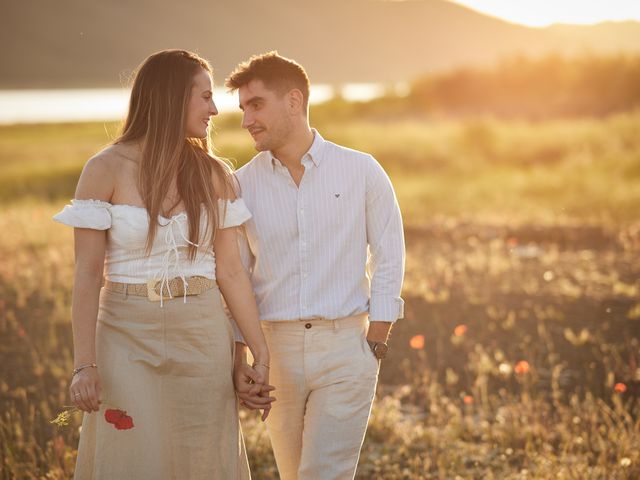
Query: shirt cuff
386,309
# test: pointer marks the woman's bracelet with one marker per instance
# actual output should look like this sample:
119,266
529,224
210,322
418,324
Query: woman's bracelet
260,364
82,367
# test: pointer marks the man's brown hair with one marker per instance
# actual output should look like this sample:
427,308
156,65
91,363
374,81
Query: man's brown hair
278,73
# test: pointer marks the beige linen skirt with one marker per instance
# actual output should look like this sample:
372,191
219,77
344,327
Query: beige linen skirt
169,409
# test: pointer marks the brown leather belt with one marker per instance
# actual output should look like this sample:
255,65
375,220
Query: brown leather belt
171,289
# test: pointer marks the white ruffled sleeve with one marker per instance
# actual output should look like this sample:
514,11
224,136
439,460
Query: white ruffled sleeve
233,213
94,214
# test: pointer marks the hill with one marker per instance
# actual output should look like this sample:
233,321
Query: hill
80,43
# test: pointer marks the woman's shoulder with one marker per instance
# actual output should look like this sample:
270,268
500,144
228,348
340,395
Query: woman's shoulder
99,174
112,157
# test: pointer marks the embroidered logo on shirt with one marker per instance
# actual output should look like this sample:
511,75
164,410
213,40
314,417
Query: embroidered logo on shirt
336,195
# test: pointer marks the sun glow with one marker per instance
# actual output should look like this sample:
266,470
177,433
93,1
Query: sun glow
542,13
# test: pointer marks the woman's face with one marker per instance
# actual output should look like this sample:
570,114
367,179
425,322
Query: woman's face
201,106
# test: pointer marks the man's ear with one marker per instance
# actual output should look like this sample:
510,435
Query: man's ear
295,101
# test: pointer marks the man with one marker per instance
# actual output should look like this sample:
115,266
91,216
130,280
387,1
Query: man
325,249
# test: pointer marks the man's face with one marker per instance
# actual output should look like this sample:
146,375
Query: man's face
265,115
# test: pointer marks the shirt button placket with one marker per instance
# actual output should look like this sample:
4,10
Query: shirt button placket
302,242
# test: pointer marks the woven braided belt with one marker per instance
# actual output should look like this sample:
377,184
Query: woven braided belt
172,288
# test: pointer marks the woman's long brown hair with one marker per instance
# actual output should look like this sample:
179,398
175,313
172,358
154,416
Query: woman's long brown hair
157,117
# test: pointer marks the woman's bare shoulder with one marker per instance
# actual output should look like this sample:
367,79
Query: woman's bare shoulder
99,174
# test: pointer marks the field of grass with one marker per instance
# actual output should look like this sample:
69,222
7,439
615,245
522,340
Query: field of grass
518,357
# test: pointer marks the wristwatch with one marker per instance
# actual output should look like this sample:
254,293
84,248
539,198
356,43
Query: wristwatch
379,349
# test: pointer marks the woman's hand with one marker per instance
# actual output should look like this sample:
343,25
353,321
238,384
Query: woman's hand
85,390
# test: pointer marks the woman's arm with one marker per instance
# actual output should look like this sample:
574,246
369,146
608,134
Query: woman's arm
96,183
235,285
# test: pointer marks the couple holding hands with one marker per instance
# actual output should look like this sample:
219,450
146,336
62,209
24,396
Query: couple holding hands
304,245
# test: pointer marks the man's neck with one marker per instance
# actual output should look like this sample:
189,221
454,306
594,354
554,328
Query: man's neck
291,153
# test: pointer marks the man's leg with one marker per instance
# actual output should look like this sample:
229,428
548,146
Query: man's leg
286,419
342,376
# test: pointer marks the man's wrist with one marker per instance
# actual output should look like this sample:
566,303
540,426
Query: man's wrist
379,349
379,331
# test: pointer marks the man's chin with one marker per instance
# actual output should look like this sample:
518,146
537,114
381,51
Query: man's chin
261,147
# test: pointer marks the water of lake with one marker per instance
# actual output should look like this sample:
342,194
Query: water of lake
79,105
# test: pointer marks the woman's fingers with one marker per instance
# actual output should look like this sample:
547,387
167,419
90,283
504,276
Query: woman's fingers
260,401
85,394
93,398
83,399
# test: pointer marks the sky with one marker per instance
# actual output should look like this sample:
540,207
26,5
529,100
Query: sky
540,13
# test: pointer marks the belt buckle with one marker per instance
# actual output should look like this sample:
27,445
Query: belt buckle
152,295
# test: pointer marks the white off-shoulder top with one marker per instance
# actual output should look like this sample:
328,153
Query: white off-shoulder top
127,226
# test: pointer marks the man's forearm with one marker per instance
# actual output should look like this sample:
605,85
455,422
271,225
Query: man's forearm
379,331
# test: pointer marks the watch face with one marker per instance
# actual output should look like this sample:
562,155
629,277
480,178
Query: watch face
380,350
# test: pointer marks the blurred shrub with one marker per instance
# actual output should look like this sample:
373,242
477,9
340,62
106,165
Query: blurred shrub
542,88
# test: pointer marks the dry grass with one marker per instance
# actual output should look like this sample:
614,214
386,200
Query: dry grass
496,276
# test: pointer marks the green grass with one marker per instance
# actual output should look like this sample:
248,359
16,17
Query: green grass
587,170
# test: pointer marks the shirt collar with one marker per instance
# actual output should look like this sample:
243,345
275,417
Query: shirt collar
314,152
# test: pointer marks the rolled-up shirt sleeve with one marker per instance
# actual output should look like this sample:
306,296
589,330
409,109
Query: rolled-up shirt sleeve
385,237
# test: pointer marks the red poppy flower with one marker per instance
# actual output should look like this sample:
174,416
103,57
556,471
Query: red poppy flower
118,418
620,387
522,367
417,342
460,330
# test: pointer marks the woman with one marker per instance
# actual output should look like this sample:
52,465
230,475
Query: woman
153,349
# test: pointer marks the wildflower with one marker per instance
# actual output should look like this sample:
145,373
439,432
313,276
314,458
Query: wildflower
512,242
417,342
468,399
625,462
460,330
62,420
522,367
118,418
620,387
505,369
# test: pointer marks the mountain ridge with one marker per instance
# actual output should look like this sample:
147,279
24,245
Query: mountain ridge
78,43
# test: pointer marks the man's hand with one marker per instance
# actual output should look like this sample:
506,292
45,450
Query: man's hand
251,388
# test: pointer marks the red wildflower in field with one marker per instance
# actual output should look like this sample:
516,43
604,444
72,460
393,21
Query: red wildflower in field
460,330
620,387
522,367
119,419
512,242
417,342
468,399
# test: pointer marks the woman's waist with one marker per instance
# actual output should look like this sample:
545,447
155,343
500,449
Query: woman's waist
141,270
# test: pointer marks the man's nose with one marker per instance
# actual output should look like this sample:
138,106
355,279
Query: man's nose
247,120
